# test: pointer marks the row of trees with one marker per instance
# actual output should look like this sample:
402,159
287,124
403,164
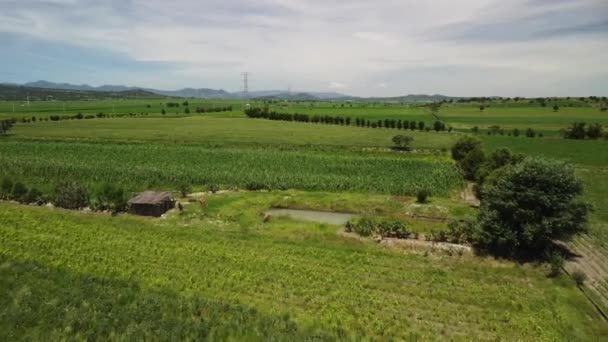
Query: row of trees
213,109
78,116
580,130
67,195
264,113
497,130
526,202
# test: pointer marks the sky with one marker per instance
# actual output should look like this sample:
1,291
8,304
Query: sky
365,48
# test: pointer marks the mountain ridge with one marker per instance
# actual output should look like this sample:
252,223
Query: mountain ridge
209,93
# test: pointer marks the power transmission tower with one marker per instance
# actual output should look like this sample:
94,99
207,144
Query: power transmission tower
245,76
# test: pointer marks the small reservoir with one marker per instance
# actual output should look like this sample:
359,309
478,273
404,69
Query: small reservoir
317,216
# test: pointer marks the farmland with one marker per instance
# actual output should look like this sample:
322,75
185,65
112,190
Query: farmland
122,273
141,166
217,271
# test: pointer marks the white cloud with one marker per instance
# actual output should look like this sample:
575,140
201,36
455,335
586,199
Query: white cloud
395,46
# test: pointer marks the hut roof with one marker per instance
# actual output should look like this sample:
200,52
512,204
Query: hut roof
151,197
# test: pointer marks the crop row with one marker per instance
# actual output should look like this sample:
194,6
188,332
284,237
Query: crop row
136,167
104,276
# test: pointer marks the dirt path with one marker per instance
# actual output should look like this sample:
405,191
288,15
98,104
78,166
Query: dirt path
468,195
593,262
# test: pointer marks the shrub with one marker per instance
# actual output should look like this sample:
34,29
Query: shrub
365,226
349,226
463,146
109,197
34,196
579,278
461,231
437,235
402,142
594,131
5,188
556,262
71,195
526,206
422,195
184,189
214,188
254,186
18,192
393,229
576,131
530,133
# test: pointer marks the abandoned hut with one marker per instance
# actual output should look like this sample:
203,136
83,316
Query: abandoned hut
150,203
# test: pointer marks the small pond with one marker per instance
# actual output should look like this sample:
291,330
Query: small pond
317,216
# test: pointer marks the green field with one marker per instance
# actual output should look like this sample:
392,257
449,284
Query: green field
102,277
216,271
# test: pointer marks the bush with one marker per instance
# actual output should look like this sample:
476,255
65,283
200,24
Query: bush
422,195
255,186
461,231
579,278
556,261
19,192
464,146
184,189
214,188
34,196
6,187
402,142
530,133
349,226
393,229
109,197
365,226
437,235
71,196
526,206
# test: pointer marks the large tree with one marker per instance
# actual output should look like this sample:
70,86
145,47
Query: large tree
528,205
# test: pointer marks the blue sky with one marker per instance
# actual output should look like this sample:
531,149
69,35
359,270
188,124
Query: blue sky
367,48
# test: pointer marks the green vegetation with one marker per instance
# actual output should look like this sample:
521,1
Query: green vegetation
220,269
527,206
136,167
126,277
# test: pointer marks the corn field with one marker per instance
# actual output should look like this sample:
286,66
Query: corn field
138,167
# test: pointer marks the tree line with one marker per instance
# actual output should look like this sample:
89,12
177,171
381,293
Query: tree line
580,130
264,113
497,130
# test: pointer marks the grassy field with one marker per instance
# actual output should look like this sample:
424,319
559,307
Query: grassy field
104,277
541,119
226,131
153,106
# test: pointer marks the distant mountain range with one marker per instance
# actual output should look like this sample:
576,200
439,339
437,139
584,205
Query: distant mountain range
202,93
12,92
207,93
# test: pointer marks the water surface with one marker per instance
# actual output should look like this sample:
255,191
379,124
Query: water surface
317,216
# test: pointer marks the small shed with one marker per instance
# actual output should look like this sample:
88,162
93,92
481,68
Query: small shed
151,203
